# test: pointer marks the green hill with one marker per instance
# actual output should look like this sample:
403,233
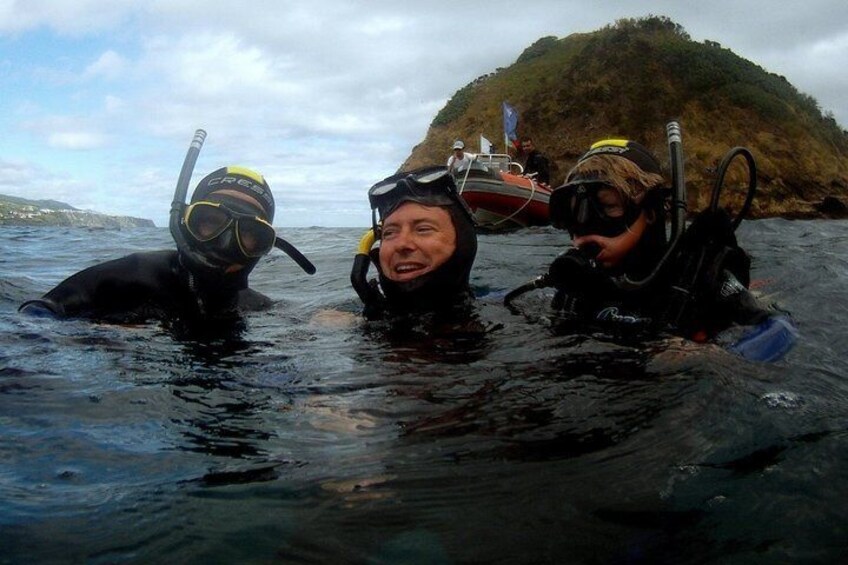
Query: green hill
631,78
16,211
43,204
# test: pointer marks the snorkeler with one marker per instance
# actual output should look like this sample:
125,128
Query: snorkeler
220,237
427,245
624,273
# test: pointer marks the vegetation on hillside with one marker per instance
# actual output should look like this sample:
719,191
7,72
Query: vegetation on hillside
632,77
16,211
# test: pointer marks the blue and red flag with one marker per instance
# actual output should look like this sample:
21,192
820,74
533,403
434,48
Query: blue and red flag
510,121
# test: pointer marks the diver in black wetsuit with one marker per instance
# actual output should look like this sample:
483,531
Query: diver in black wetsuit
427,247
220,238
622,273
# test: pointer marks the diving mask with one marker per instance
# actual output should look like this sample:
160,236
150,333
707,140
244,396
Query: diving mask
208,221
591,207
433,186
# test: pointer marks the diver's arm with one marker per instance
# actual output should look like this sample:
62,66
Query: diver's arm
42,307
738,303
75,294
768,335
250,300
111,287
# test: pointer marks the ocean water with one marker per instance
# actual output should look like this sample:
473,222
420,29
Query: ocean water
299,441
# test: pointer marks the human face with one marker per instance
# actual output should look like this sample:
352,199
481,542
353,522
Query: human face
611,203
611,250
416,240
527,146
234,232
591,208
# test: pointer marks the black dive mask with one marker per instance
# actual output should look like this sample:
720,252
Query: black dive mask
208,221
432,186
227,231
577,208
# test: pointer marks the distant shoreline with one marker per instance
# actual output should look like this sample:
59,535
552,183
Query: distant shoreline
16,211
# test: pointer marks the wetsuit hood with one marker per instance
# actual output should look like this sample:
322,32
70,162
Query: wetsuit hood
240,180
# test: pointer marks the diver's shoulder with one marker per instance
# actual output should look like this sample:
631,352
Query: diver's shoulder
143,259
157,256
250,300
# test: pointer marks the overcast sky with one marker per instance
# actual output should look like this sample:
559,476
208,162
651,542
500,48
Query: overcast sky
100,98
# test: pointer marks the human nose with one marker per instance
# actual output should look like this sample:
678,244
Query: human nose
405,240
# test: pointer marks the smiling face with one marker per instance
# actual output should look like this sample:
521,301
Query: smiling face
416,240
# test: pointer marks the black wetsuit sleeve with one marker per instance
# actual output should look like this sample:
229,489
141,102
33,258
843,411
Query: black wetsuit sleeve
544,169
113,288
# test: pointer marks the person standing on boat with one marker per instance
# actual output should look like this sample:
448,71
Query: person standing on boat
221,236
427,246
460,159
536,165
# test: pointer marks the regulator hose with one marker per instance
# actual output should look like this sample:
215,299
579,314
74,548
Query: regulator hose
752,183
542,281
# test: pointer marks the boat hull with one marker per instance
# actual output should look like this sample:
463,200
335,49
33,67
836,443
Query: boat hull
503,201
